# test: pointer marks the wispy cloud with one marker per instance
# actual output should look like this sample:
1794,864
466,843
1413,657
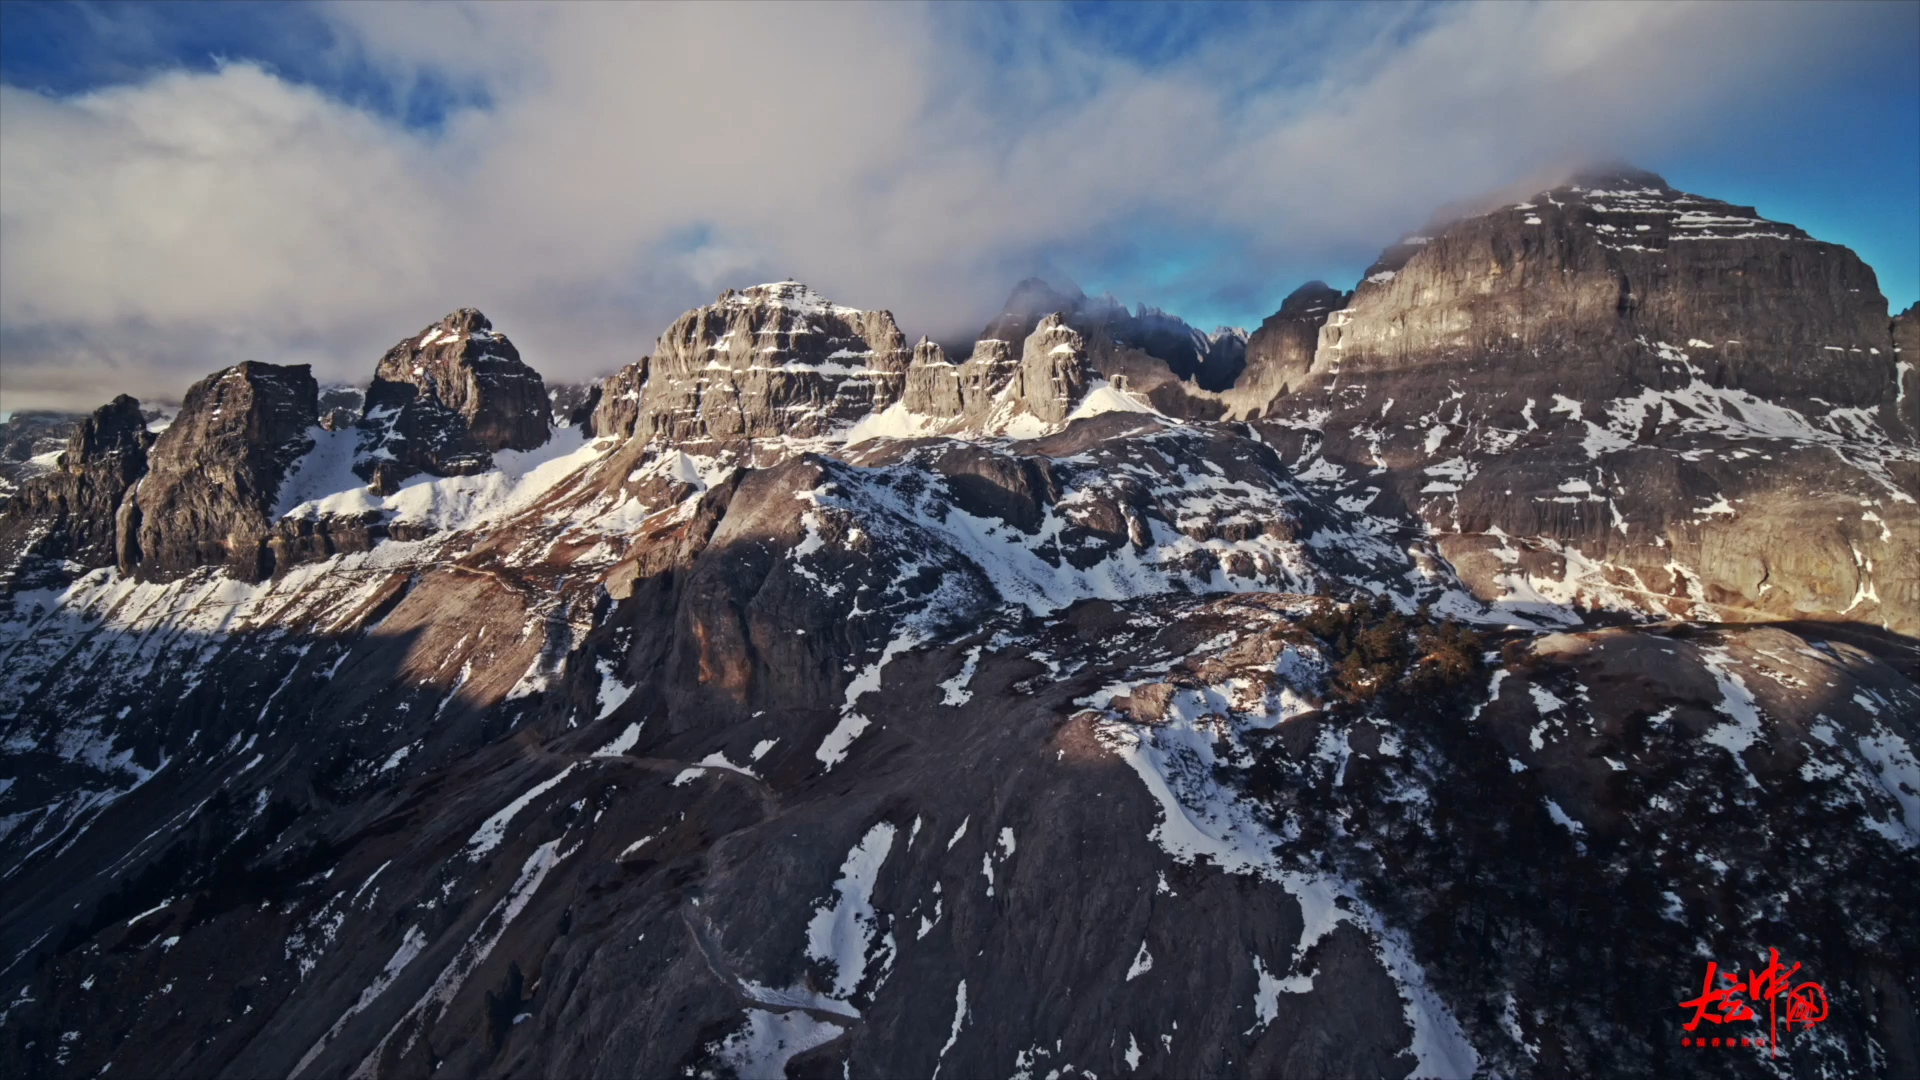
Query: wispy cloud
622,163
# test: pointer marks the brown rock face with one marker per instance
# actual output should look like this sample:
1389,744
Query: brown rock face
443,401
212,476
994,388
771,361
1181,371
68,514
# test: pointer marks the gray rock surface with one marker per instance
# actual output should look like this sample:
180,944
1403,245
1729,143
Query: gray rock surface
30,442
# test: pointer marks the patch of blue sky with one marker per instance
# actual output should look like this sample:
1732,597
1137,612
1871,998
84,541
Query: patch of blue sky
66,48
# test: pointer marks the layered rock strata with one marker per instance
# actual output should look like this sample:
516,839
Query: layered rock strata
774,361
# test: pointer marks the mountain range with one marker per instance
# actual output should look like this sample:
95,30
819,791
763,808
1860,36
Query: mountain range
1428,683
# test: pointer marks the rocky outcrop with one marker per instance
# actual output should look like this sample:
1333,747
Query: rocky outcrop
67,516
616,410
774,361
443,401
1053,371
1595,272
996,391
214,474
1280,353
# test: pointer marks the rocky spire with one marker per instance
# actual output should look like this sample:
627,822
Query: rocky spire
443,401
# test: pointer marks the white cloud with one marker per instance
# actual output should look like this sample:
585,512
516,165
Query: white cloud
635,159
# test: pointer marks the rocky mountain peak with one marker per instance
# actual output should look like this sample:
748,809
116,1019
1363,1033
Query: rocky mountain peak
771,362
114,428
213,475
443,401
774,740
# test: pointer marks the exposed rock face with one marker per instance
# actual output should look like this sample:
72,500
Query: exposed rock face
444,400
573,404
774,361
1053,370
1594,272
1632,397
755,784
1280,353
213,475
67,515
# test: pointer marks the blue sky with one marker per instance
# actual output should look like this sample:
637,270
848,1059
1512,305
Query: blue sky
186,185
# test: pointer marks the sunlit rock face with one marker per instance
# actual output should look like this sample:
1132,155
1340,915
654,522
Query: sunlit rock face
772,361
1436,698
1626,396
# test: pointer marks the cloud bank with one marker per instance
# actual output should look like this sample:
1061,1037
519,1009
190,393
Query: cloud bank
621,163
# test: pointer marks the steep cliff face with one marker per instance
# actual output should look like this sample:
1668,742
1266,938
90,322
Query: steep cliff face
1906,347
214,475
774,361
1594,272
67,516
1280,353
1622,395
444,400
616,412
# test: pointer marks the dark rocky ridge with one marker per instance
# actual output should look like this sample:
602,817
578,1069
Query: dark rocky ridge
444,400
